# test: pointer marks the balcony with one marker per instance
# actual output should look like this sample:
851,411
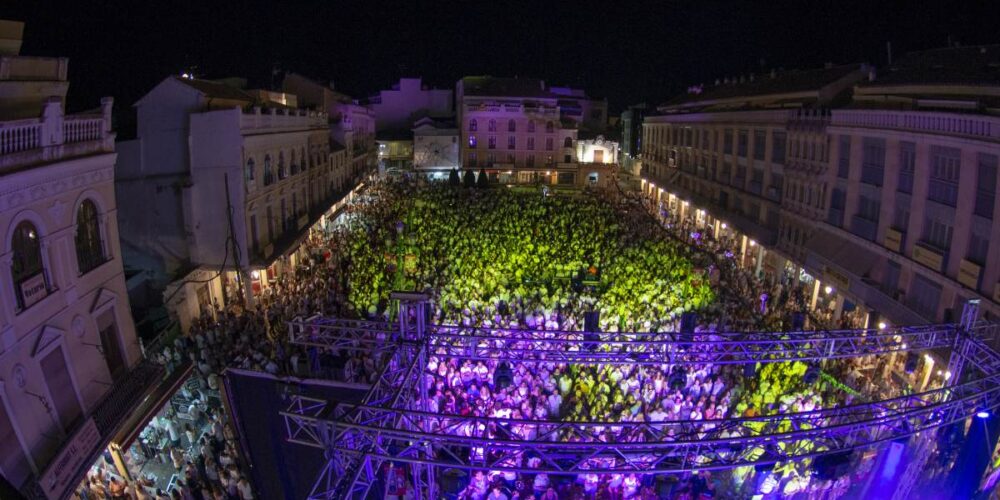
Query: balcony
894,239
274,119
969,273
929,256
55,136
978,127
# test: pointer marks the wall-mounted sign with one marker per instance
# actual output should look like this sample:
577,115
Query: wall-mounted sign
33,289
59,476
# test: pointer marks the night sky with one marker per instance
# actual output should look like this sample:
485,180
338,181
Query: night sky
626,51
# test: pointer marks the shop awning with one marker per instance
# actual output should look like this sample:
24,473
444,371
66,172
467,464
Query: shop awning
134,424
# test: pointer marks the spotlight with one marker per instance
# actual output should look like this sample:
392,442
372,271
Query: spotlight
983,414
947,375
828,289
753,243
881,325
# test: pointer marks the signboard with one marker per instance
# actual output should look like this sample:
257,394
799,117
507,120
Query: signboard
61,474
968,274
33,289
893,239
837,278
927,257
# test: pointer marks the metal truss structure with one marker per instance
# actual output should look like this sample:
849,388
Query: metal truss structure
393,425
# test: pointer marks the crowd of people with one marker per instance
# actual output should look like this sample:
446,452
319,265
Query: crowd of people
522,262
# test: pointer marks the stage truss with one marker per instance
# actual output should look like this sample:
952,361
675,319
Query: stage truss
392,423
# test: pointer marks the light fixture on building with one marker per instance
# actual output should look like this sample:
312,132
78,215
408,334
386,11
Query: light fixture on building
753,243
255,274
828,289
881,325
947,375
723,225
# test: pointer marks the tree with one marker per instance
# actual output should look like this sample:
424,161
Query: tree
482,181
470,179
453,178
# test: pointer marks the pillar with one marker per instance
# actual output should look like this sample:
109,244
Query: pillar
815,295
244,277
760,261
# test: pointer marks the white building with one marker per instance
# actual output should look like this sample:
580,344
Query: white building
407,101
435,147
68,339
238,184
597,149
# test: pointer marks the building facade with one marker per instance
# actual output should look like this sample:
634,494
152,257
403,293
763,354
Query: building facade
513,128
435,147
247,177
879,189
631,133
406,102
69,343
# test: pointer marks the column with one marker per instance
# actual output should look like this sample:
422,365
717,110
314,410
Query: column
760,260
815,295
244,277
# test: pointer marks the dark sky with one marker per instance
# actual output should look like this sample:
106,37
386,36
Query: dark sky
625,51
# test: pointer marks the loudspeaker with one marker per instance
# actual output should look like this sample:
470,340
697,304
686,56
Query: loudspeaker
503,377
811,375
833,465
798,321
688,322
591,320
911,362
678,378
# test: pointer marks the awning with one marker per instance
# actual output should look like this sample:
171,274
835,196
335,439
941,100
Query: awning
842,254
134,424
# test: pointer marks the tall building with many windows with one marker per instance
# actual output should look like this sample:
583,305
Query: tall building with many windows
877,188
515,129
68,347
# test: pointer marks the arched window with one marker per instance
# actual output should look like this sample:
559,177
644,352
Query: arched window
27,263
531,126
549,127
493,125
511,125
568,143
473,125
268,173
250,170
89,248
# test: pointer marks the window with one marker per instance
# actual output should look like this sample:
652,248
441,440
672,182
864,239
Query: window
548,144
293,167
531,160
844,162
549,127
979,245
511,125
268,174
778,141
491,158
943,186
531,143
727,142
937,232
472,141
89,248
472,159
865,222
531,126
281,165
986,185
907,166
567,158
924,296
704,139
901,214
492,142
759,144
492,125
890,277
26,265
568,142
249,170
511,142
473,125
872,160
60,385
742,144
838,200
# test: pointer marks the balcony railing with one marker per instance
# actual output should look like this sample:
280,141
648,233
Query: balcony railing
55,136
980,127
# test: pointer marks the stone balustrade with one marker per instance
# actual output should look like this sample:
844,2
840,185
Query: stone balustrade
55,136
937,123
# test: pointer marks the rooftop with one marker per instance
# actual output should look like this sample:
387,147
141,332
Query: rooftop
775,83
216,90
973,65
489,86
